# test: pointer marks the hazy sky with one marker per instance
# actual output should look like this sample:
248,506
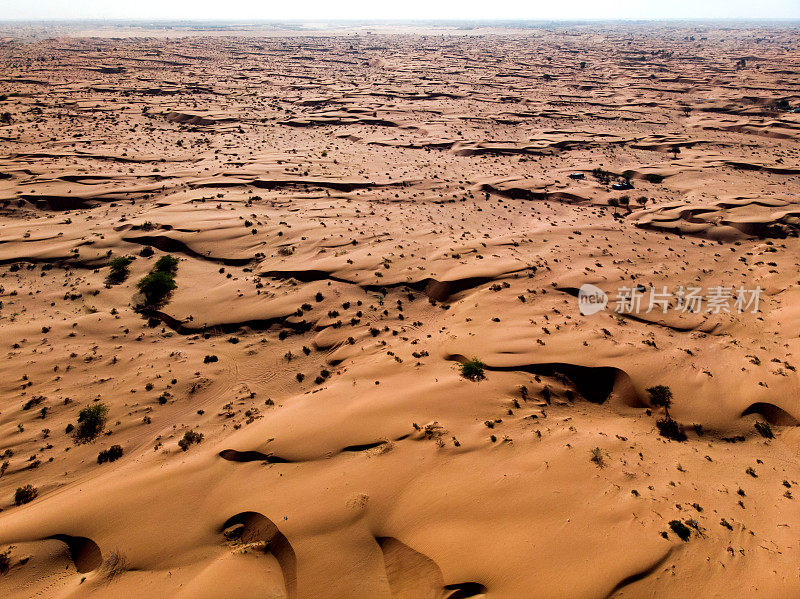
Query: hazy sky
401,9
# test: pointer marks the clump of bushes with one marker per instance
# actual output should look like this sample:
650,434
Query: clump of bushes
667,427
91,422
601,175
472,369
33,401
114,565
680,529
5,561
111,454
597,457
765,430
25,494
156,286
190,438
167,264
118,269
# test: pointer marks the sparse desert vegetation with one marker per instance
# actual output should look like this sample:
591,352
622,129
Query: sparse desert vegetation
190,438
91,422
111,454
473,369
598,457
118,269
156,287
25,494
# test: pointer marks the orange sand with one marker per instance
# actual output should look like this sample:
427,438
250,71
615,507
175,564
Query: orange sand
369,211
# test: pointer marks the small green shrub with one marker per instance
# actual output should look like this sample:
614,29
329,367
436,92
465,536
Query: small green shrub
601,175
189,438
156,287
118,269
765,430
667,427
598,457
680,529
167,264
472,369
33,401
91,422
114,565
25,494
111,454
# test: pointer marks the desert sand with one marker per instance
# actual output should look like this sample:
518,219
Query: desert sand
357,215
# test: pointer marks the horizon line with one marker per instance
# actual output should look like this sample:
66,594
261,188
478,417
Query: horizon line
395,20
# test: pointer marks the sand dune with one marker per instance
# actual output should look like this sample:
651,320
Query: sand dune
355,219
